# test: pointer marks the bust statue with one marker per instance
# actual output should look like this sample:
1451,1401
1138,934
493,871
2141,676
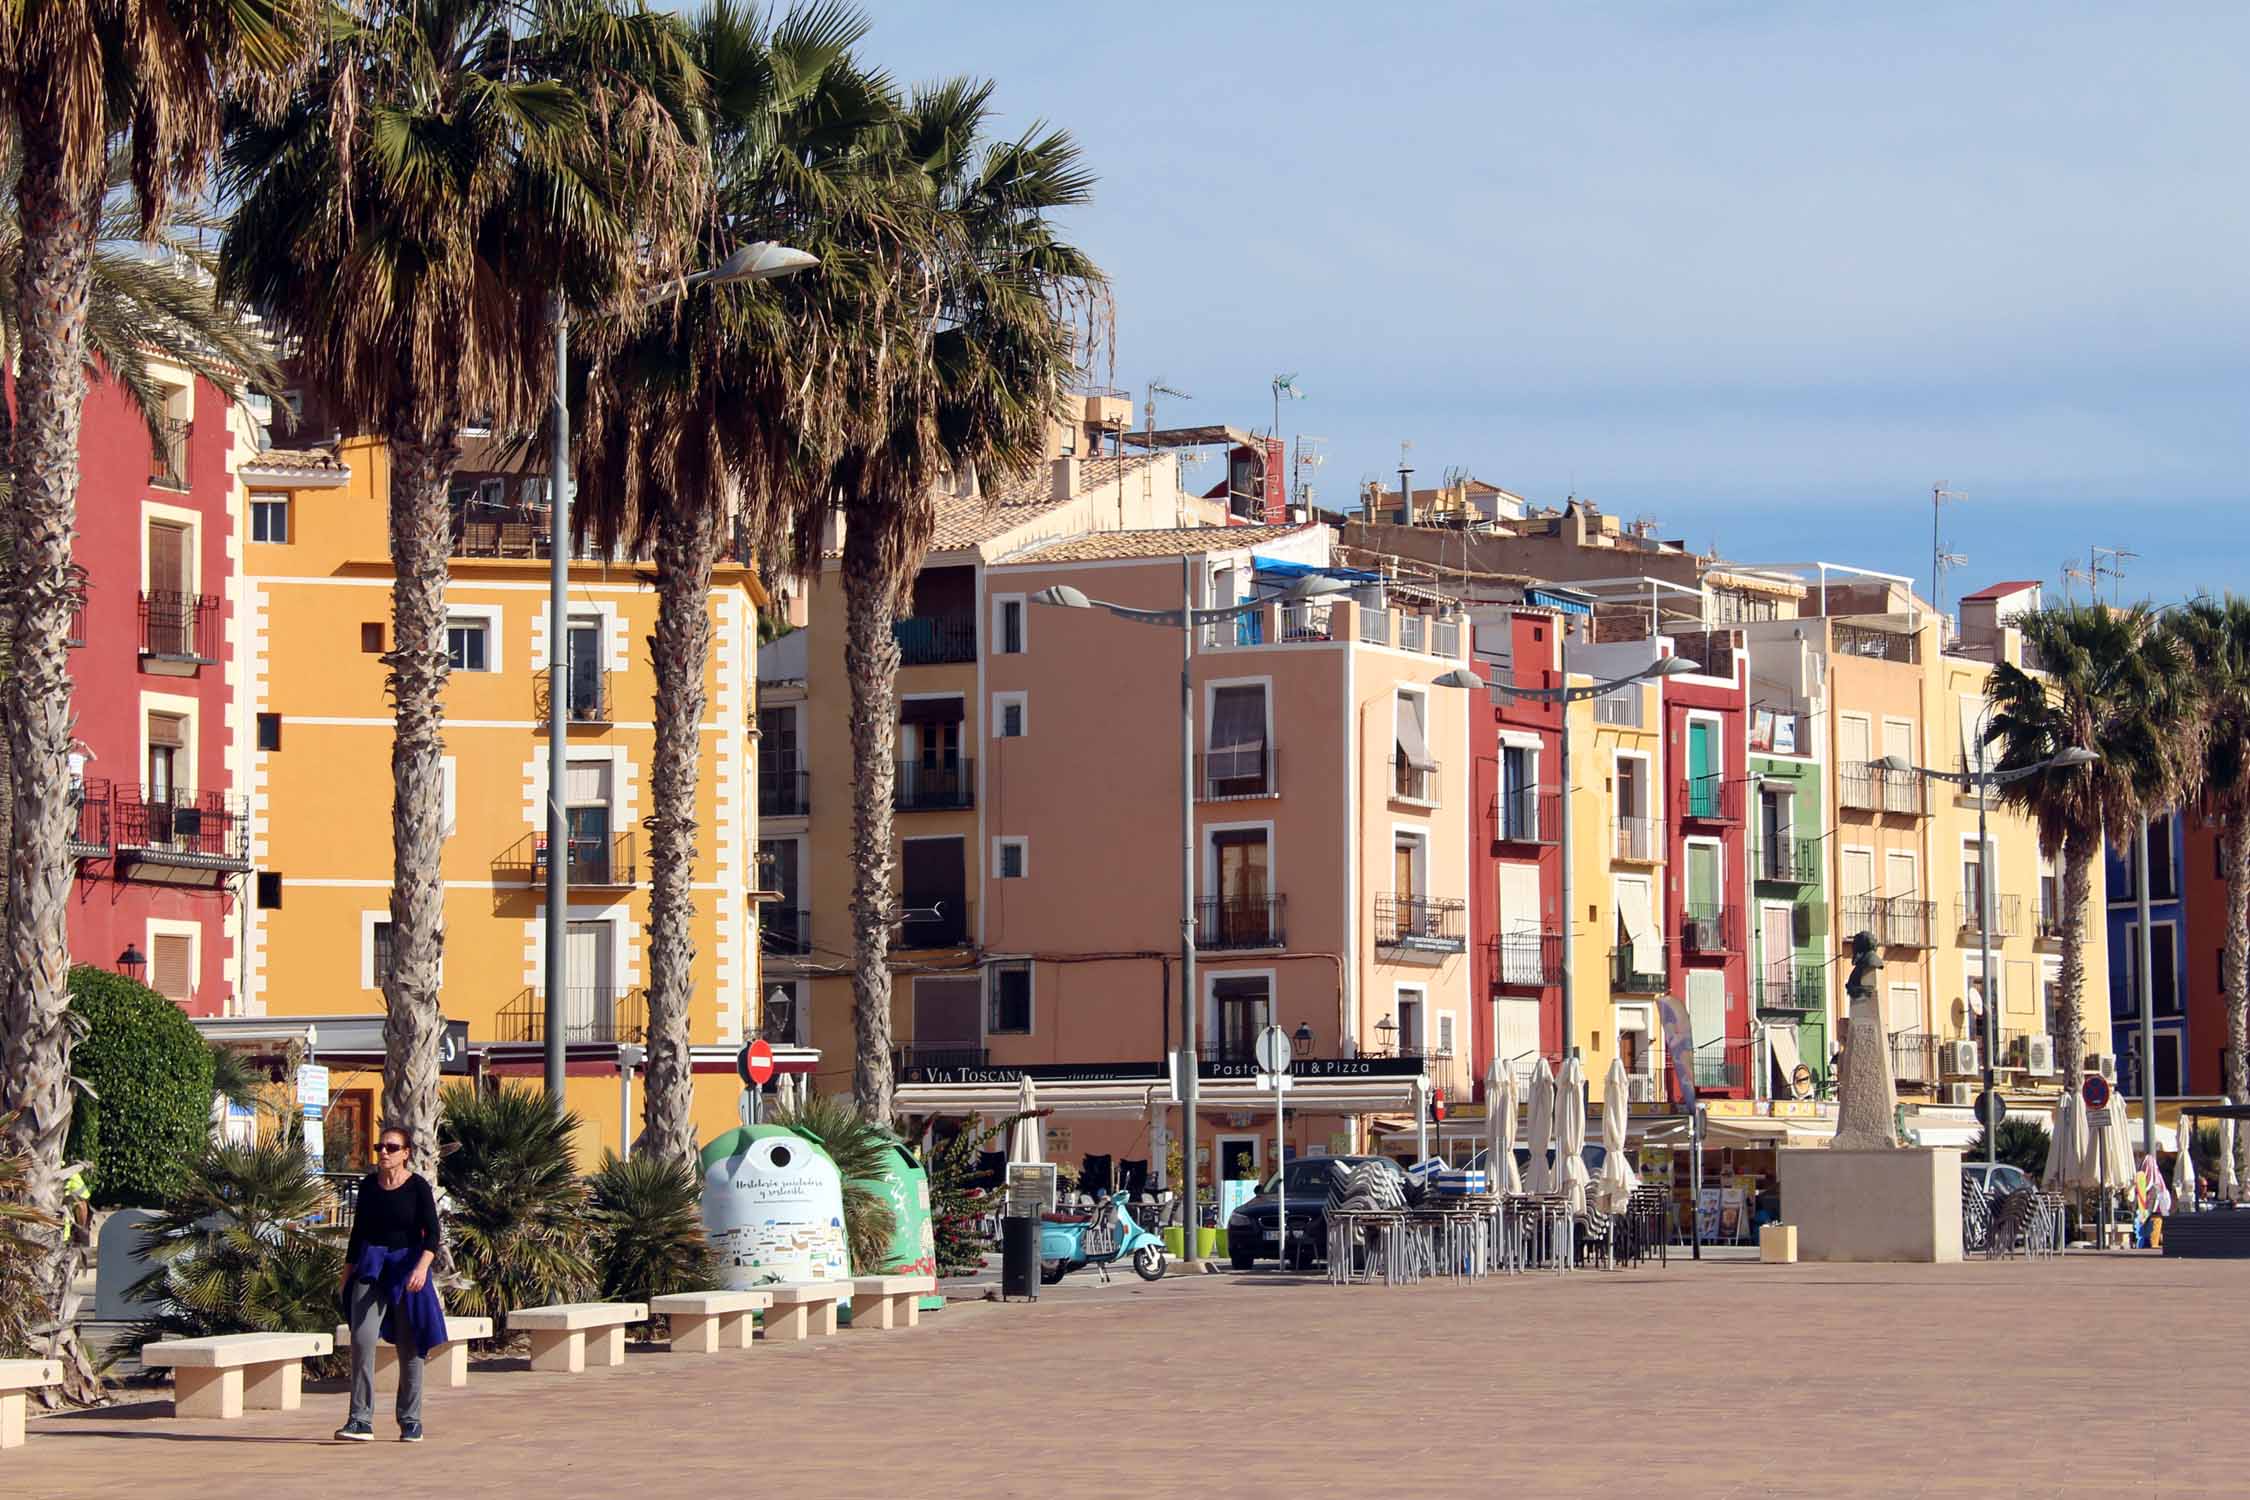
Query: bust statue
1866,1095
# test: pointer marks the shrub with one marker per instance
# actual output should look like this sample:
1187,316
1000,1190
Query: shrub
954,1205
2023,1143
235,1254
149,1113
517,1220
859,1149
648,1237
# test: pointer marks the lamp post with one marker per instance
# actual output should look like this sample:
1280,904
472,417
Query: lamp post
1187,617
1663,666
760,261
1981,782
132,963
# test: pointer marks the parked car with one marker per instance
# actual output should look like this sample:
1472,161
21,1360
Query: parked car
1251,1229
1998,1179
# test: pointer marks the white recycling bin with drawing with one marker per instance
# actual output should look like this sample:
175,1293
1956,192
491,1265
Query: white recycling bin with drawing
773,1206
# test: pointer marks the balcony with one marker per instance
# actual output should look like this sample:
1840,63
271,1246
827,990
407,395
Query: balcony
1895,921
784,930
935,640
784,794
180,628
1722,1065
2047,925
1790,862
943,922
1637,841
1882,645
2007,915
597,862
1791,991
1707,931
598,1015
589,697
90,814
1915,1059
167,461
1526,960
1429,925
1528,815
947,788
1710,799
1869,788
907,1059
180,838
1237,775
1413,781
1626,977
1234,922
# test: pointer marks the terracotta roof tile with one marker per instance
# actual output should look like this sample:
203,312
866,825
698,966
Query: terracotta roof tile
1998,590
307,460
1102,546
967,522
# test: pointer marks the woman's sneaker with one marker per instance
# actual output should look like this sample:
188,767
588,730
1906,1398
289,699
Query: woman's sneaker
410,1432
355,1432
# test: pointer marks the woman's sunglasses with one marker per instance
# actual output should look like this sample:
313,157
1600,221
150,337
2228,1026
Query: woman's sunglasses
387,1147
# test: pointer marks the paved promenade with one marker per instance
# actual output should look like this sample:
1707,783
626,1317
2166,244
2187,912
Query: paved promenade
2117,1376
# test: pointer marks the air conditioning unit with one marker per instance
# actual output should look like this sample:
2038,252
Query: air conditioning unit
2038,1053
2104,1063
1961,1093
1640,1088
1958,1058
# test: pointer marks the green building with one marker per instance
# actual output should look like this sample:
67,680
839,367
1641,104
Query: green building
1788,925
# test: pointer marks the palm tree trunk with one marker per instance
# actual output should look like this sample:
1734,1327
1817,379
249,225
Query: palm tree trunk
2236,969
2080,850
871,666
686,546
421,544
51,290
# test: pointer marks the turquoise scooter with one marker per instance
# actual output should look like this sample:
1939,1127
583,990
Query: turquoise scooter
1106,1235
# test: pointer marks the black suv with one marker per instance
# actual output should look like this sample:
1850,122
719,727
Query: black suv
1250,1229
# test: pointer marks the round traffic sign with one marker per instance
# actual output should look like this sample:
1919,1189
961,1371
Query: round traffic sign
2095,1091
1437,1105
1273,1050
756,1063
1991,1109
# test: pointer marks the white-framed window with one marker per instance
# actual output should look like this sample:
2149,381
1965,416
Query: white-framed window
468,645
1009,1008
1011,858
1010,620
1445,1033
1010,715
269,518
1411,1010
374,949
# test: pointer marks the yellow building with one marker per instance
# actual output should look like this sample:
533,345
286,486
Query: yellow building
315,601
1619,957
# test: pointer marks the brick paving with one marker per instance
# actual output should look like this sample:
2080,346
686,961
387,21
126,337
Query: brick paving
2098,1375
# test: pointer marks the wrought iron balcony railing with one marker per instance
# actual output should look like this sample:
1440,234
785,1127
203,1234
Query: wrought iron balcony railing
2007,914
1230,775
1525,960
1790,862
1637,840
1722,1064
784,794
1427,924
940,788
595,1014
1869,788
1710,799
784,929
905,1058
89,829
933,640
1711,929
1528,815
199,830
1791,990
1626,976
588,702
1894,921
1223,922
604,861
1414,781
180,627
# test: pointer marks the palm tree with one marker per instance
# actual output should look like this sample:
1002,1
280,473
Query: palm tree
2216,633
699,423
981,311
516,1225
2112,681
439,175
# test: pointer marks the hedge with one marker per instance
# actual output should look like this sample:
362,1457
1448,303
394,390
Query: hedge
150,1072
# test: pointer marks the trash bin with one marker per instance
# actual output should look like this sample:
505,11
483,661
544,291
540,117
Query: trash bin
1019,1259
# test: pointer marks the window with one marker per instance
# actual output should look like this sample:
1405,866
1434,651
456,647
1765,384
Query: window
468,645
1636,830
269,518
1237,760
171,559
269,731
269,890
1519,792
171,965
1410,1041
1245,1009
583,642
1007,617
933,897
379,953
371,637
1011,1000
1445,1033
2167,1049
167,758
1008,715
2165,991
1415,772
1013,857
586,798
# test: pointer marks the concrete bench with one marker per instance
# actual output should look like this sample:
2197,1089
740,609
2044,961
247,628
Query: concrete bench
706,1322
220,1375
558,1333
889,1301
18,1377
803,1308
447,1364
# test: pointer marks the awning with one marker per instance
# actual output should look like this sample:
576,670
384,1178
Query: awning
1787,1056
1413,744
1568,602
1640,926
930,711
1343,1096
1275,567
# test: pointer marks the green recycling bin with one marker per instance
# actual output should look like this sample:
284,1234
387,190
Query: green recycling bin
905,1186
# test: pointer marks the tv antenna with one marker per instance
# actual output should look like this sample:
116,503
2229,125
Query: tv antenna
2072,573
2110,561
1940,559
1157,388
1309,457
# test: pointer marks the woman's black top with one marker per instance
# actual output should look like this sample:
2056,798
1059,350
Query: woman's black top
400,1218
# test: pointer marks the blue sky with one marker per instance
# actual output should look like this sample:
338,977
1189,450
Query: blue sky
1764,271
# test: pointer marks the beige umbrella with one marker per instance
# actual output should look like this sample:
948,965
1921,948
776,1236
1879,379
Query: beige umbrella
1570,1135
2117,1144
1540,1130
1500,1154
1024,1137
2066,1145
1618,1178
2183,1169
2227,1184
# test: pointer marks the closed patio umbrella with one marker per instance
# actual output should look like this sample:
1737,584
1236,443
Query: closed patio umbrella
1618,1179
1024,1137
2117,1145
2183,1169
1500,1155
2227,1185
2066,1145
1570,1136
1540,1130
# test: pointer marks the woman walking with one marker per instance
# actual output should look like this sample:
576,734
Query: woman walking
387,1291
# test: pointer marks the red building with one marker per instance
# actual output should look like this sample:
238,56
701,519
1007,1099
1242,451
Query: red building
160,843
1706,776
1515,855
2204,892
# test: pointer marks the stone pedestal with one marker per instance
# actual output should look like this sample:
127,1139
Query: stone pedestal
1900,1204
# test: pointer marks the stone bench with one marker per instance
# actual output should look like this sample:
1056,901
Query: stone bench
706,1322
889,1301
803,1308
447,1364
19,1377
558,1333
220,1375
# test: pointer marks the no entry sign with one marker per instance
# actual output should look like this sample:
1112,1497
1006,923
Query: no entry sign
756,1063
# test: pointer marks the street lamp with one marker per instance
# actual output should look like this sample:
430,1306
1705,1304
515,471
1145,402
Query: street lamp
1981,782
1301,1043
1187,617
762,260
131,963
1663,666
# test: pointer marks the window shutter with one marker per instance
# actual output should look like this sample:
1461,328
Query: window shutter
168,731
586,784
167,559
172,966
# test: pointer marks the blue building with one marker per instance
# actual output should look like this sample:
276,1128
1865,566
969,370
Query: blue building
2167,958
